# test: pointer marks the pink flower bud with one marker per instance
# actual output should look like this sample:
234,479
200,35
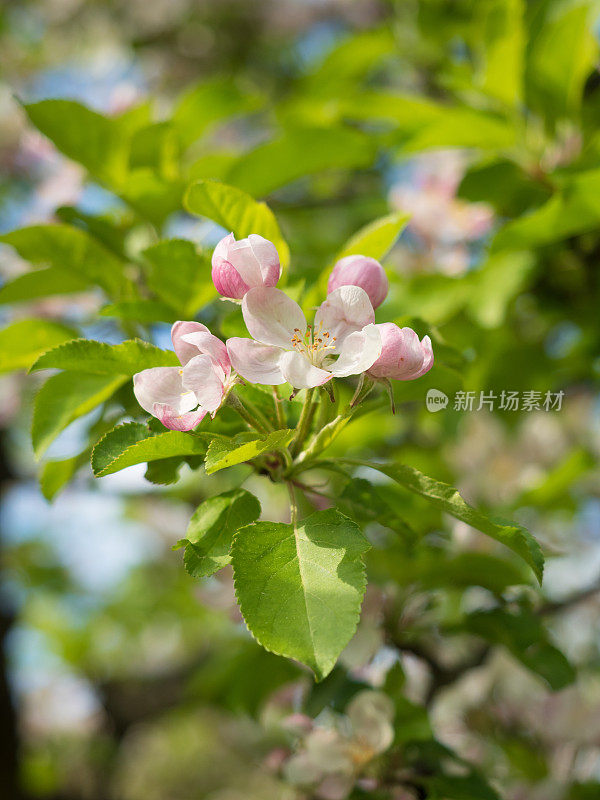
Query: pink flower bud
403,356
360,271
246,264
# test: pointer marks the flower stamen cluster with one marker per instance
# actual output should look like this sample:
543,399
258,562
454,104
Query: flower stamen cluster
314,344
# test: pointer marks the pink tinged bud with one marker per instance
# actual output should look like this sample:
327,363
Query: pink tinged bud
360,271
403,356
246,264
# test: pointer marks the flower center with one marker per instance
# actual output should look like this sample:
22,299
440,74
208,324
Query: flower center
314,345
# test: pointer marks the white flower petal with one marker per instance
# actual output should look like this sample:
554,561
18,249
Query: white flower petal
272,317
359,351
256,362
347,309
298,371
201,378
212,346
163,385
183,349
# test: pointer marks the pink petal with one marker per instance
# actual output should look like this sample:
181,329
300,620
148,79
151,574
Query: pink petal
272,317
403,356
183,349
347,309
256,362
227,280
163,385
360,271
201,377
300,373
178,422
243,265
212,346
411,355
359,351
427,356
256,260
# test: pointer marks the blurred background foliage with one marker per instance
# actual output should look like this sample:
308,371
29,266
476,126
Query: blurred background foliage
122,677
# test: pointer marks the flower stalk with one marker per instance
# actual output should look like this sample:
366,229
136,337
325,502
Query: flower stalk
246,414
304,422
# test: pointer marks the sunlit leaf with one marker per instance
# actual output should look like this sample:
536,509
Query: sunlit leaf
71,250
134,443
64,398
180,275
87,355
244,447
447,498
211,530
22,342
300,586
297,153
235,211
41,283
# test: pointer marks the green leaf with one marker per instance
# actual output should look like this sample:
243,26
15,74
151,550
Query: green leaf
210,102
134,443
523,634
446,497
41,283
574,209
464,127
228,452
236,211
87,355
55,475
180,275
83,135
70,250
504,51
377,238
212,528
408,113
560,57
140,311
64,398
156,146
22,342
300,586
460,787
493,286
153,196
164,471
299,152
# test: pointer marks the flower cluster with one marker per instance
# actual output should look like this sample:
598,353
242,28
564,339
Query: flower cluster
332,756
344,339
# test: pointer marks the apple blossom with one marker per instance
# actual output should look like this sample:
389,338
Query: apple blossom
284,348
181,398
360,271
243,265
403,356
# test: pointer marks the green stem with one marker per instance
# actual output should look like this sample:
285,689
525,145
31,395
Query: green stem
325,436
278,409
293,504
237,405
304,421
325,409
258,415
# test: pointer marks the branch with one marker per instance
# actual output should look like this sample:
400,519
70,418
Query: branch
558,606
